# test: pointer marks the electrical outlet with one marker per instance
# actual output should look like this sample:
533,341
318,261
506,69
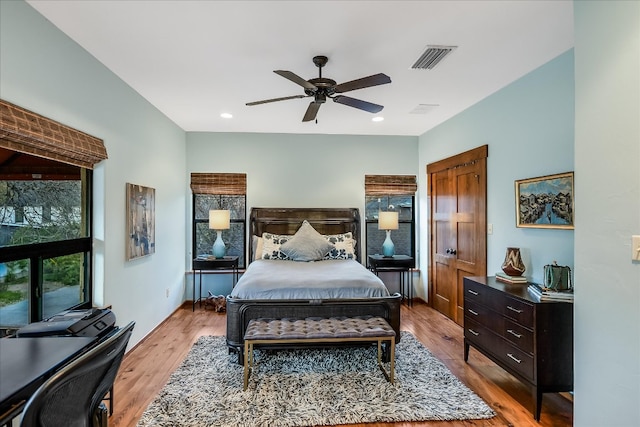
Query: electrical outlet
635,248
489,228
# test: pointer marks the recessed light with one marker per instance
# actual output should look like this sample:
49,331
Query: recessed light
377,119
226,115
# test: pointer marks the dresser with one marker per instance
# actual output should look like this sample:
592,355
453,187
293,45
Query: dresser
530,339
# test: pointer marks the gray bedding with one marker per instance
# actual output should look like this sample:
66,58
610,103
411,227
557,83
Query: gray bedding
327,279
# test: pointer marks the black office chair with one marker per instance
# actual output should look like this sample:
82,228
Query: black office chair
73,395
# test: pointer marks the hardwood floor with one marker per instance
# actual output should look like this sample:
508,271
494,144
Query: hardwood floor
147,367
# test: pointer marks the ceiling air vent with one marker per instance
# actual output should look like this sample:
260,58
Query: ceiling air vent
432,57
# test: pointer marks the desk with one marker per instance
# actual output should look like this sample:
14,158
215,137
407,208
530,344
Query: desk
199,264
399,263
26,363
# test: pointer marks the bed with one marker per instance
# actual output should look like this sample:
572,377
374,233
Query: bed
324,288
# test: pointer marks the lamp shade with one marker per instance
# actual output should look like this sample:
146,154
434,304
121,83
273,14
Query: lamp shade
387,220
219,219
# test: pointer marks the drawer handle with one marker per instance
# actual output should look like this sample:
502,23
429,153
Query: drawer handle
514,333
472,292
511,356
472,312
514,309
473,332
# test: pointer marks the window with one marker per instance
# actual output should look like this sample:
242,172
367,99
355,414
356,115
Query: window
219,191
45,243
45,216
390,193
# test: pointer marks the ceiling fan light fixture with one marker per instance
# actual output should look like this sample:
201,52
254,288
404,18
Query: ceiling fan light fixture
226,115
377,119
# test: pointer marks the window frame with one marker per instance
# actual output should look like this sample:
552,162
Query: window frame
36,253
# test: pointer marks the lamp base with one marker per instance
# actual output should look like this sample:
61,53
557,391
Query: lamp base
388,248
219,249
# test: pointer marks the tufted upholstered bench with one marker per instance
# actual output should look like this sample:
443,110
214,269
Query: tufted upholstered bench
319,330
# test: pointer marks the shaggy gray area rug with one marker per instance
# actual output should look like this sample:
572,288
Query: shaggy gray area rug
310,387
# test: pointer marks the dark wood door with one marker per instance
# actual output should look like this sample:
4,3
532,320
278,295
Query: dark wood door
458,193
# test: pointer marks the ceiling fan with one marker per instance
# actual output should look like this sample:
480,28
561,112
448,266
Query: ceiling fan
322,88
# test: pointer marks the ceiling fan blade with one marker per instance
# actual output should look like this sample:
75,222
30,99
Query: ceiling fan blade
375,80
312,111
284,98
358,103
296,79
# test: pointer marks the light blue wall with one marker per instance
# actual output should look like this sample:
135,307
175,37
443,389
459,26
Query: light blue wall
42,70
607,301
289,170
528,127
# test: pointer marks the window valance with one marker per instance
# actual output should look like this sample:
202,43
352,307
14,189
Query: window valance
219,183
24,131
379,185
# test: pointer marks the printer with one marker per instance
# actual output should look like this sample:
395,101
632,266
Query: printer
93,322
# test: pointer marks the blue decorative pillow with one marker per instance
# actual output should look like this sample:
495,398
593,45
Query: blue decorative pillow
306,245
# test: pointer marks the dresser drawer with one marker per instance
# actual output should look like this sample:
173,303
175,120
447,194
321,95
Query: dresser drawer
518,310
481,314
516,359
518,335
476,292
479,334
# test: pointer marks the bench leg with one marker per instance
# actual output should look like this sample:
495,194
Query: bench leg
392,343
247,359
392,350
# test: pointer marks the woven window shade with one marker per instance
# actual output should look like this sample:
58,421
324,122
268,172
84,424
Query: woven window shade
380,185
27,132
219,183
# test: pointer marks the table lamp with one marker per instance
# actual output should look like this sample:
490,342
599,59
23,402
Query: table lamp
219,220
388,221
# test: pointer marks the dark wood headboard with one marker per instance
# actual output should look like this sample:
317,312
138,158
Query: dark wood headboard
288,220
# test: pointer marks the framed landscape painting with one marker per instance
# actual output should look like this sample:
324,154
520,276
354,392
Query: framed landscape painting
141,220
545,201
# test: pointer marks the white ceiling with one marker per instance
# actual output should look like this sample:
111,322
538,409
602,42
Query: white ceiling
194,60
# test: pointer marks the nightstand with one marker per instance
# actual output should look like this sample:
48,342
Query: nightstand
400,263
207,264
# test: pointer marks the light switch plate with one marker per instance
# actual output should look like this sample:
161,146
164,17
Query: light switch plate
635,248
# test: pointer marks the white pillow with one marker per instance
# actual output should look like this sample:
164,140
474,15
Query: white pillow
257,247
344,246
271,244
306,245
